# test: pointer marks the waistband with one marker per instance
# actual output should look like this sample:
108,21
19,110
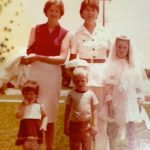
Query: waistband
80,122
94,60
31,138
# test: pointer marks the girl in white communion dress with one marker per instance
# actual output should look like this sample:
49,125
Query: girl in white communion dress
125,98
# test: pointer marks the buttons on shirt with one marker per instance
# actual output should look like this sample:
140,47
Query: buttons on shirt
94,56
93,49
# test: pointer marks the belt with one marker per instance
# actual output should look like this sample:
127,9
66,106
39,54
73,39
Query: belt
94,60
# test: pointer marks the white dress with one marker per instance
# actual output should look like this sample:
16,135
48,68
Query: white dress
125,80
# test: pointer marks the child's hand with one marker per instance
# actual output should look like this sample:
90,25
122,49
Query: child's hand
140,103
111,119
66,131
94,131
111,111
25,102
43,128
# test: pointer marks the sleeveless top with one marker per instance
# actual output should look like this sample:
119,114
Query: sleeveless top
32,111
46,43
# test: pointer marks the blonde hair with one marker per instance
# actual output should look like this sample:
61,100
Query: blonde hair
80,72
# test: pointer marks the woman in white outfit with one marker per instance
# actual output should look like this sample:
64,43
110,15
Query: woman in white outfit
126,97
92,42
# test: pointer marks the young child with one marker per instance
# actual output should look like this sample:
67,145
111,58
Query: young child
125,97
33,118
75,63
80,121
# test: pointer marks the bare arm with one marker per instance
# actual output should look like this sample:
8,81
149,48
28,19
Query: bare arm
108,99
94,115
19,114
94,121
94,104
44,118
43,111
66,119
74,48
65,46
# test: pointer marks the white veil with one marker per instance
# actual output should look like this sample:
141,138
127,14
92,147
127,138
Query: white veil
136,61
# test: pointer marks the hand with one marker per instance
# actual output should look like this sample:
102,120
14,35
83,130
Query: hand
28,60
140,103
111,111
110,119
43,128
94,130
25,102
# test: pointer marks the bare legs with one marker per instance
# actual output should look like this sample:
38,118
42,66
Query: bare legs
31,145
49,136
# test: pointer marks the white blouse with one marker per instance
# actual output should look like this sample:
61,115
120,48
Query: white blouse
91,46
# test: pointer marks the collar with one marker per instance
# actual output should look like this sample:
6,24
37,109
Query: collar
98,28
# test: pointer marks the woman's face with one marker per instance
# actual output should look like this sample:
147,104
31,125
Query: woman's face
89,14
122,49
53,13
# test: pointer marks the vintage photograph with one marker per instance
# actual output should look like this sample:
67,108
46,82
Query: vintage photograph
74,75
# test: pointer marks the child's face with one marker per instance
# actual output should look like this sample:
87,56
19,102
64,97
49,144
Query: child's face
30,96
122,49
80,81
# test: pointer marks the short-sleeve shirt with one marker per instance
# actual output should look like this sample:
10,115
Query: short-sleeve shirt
91,46
81,105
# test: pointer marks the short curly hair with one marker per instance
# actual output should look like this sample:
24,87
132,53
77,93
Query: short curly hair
85,4
58,3
30,85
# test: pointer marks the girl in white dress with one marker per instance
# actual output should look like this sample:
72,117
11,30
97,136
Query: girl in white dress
125,97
